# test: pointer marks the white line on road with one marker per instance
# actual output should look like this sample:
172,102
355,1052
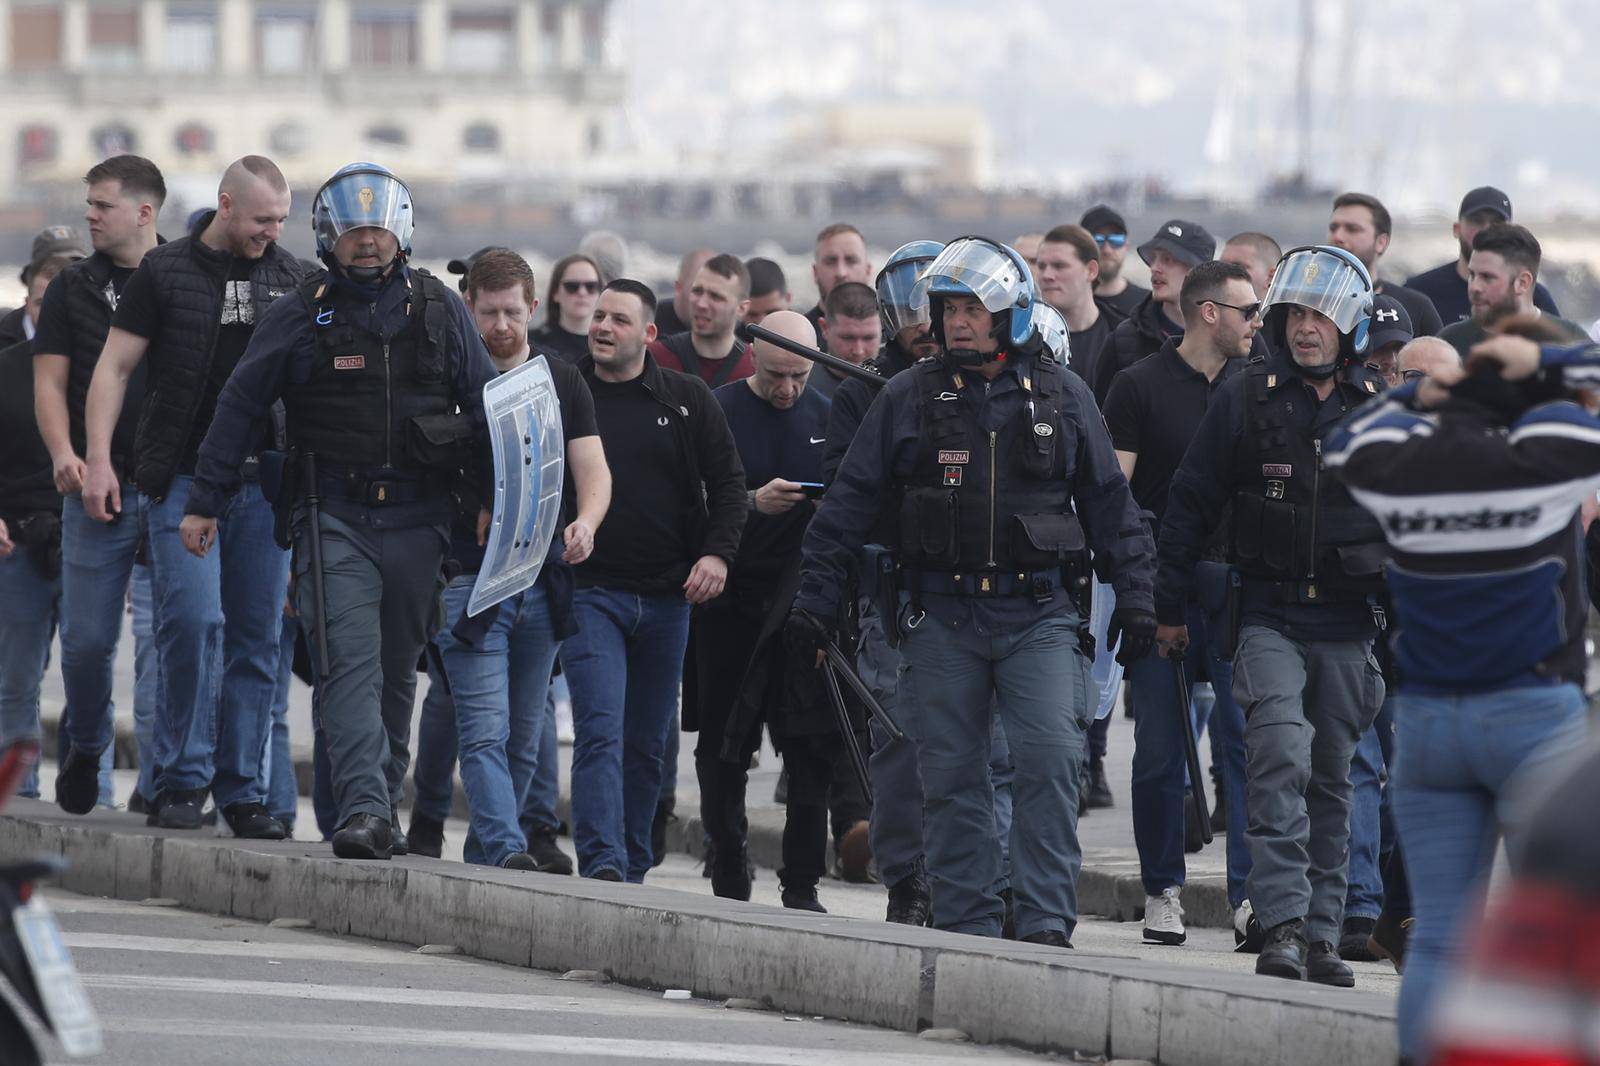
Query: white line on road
328,952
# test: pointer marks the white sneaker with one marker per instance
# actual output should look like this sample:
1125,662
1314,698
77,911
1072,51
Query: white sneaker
1248,936
1163,918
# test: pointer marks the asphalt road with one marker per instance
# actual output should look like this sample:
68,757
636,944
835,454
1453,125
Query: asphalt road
175,987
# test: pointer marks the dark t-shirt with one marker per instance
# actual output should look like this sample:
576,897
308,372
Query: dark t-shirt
53,336
1154,410
1126,302
1448,291
1085,345
774,443
27,483
642,546
1464,334
577,420
139,312
553,340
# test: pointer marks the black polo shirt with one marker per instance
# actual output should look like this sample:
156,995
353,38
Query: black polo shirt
1154,409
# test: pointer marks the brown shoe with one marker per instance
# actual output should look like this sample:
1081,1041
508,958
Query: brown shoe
855,854
1389,940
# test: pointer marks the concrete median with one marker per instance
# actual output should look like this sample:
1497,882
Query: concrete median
862,971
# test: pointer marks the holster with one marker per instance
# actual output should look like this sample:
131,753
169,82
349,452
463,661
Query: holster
1219,592
879,585
280,484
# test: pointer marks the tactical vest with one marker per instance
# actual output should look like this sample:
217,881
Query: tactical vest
978,501
189,281
1294,522
371,404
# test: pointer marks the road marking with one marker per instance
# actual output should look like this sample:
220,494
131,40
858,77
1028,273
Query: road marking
462,1040
303,950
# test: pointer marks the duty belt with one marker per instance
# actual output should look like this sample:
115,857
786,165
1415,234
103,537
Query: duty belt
380,491
1039,584
1306,591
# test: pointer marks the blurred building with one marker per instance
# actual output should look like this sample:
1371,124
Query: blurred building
443,89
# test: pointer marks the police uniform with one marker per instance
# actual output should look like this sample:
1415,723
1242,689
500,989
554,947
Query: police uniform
384,386
1309,563
981,479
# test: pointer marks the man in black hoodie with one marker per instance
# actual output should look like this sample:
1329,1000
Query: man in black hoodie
1176,247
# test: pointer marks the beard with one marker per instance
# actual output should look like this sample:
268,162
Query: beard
503,348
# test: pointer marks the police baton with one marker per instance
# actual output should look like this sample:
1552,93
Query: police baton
1191,750
751,333
835,659
847,733
319,595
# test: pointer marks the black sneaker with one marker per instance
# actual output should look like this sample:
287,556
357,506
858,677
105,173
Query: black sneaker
1052,937
606,873
363,836
180,808
137,804
1284,954
1099,788
250,821
1353,938
909,902
547,855
78,782
803,899
426,835
520,860
1325,967
731,875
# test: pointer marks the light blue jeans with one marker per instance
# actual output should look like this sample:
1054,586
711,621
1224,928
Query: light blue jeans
29,605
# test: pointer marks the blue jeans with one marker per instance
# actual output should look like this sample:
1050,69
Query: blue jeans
1463,770
624,666
96,564
217,625
277,765
1041,686
29,604
498,688
1160,767
539,808
146,679
1364,898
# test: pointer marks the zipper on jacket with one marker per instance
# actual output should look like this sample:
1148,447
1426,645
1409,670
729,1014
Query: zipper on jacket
1316,495
388,411
993,491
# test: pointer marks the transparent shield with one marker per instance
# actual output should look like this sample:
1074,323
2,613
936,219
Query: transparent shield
524,421
1323,281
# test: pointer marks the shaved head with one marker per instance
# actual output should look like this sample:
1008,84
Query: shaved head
781,376
252,206
241,173
1427,354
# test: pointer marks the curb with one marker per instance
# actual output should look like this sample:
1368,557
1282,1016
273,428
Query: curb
868,972
1101,891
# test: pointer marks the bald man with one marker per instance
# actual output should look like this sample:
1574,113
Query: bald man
780,428
1427,357
188,313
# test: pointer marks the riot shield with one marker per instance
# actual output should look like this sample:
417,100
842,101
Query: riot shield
524,422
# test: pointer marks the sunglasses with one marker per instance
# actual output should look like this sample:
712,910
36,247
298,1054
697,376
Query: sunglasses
1249,311
1116,240
575,287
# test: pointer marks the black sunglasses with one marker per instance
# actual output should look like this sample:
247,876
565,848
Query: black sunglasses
1249,311
580,286
1116,240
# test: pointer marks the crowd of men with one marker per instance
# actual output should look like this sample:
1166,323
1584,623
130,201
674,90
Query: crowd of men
1056,474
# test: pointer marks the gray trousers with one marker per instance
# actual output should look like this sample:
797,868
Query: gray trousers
382,588
1306,706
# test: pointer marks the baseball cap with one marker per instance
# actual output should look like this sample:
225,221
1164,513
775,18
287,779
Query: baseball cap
1186,241
461,266
54,241
1390,323
1486,198
1102,219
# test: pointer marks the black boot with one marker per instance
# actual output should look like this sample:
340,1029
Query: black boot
78,783
547,853
250,821
1054,938
1353,937
426,835
1325,967
909,900
1284,954
363,836
803,898
1099,787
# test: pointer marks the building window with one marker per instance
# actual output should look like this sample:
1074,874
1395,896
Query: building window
113,37
594,35
191,44
388,134
286,39
550,32
480,40
287,139
481,137
194,138
113,138
35,37
383,37
37,145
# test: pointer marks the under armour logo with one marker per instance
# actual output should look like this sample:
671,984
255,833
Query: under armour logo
1176,231
1387,314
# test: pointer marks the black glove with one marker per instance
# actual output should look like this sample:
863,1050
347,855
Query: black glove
1135,629
805,634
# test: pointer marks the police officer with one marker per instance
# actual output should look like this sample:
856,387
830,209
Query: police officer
981,457
372,360
1309,562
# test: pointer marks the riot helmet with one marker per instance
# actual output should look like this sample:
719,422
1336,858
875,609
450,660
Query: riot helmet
1330,281
894,285
1052,331
994,273
360,195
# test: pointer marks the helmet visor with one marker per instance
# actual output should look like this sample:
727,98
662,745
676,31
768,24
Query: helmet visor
972,267
1052,330
353,201
1324,282
894,296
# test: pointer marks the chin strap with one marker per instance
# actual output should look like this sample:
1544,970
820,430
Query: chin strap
1321,372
